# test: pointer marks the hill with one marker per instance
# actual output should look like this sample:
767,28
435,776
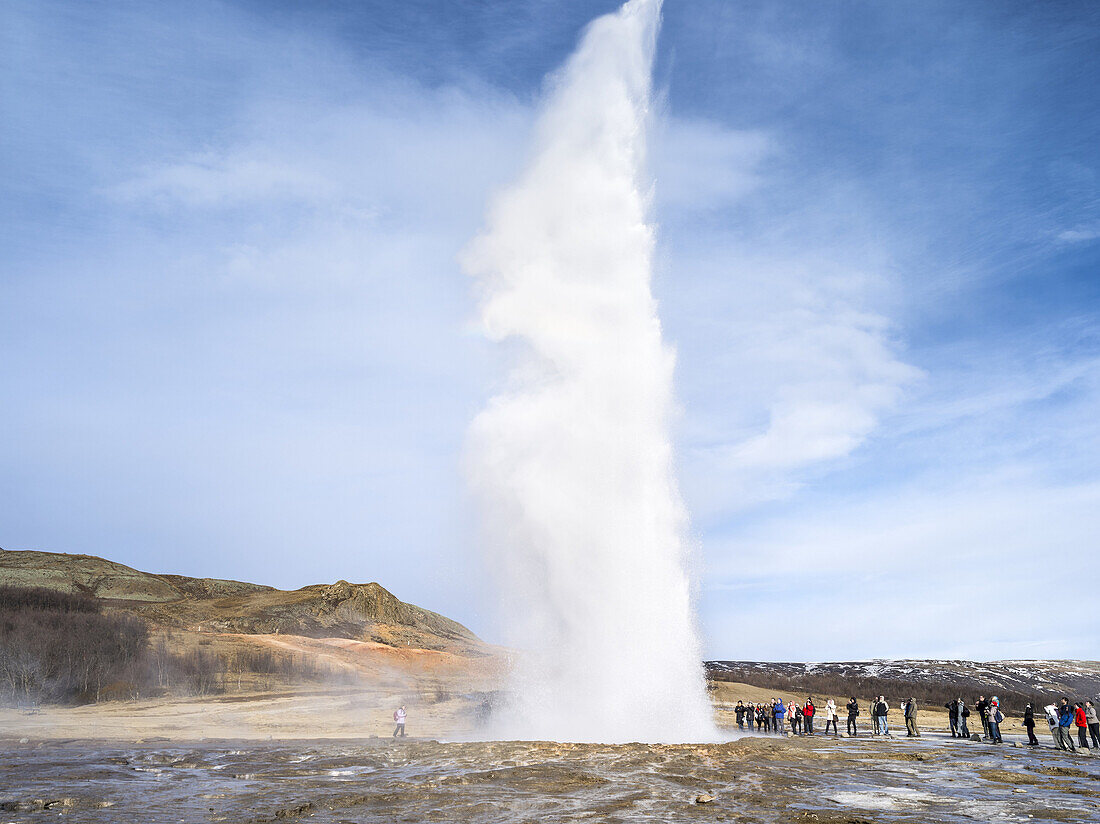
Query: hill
927,680
200,636
361,612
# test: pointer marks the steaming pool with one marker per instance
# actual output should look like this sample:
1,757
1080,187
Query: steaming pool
379,780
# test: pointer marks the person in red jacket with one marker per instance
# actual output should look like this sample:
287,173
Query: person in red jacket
808,712
1082,722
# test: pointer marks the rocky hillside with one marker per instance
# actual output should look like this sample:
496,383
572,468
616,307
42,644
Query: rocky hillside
1021,679
362,612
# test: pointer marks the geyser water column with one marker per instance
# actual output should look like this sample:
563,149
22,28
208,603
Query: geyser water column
572,460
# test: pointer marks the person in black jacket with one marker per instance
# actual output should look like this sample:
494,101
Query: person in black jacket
739,711
911,730
983,710
882,715
1029,725
853,711
953,717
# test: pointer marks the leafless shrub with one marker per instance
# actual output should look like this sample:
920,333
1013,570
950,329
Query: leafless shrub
58,647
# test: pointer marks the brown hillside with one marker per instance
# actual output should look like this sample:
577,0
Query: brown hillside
361,612
84,574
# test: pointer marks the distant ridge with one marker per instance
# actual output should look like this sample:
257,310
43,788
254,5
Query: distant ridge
363,612
100,578
1020,679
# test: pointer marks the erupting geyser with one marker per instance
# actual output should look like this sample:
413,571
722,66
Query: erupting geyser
573,460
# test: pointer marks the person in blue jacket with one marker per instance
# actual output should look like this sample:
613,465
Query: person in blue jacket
780,712
1065,721
994,720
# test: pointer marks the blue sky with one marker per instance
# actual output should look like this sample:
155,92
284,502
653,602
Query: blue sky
235,340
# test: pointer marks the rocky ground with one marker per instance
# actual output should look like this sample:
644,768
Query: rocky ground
754,779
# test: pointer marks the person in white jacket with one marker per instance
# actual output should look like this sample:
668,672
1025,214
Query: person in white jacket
1051,713
830,716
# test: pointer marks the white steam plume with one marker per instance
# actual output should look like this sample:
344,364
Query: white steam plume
573,460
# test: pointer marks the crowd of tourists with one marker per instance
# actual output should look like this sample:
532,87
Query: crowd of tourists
1061,718
796,718
774,716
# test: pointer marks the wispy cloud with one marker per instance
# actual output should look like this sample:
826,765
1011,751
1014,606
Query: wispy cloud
914,572
1080,234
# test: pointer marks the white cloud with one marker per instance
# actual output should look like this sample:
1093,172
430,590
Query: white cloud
913,572
1080,234
787,368
213,179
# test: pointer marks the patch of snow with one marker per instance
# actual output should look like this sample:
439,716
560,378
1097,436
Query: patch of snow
888,798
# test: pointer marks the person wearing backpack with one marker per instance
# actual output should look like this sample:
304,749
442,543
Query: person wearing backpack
853,713
399,719
993,721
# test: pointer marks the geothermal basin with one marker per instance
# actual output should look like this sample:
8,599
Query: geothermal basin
753,779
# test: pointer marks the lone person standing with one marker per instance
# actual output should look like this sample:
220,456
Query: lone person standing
853,711
399,719
1029,725
911,730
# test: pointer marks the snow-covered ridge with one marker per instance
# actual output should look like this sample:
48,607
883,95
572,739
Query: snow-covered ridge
1070,677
